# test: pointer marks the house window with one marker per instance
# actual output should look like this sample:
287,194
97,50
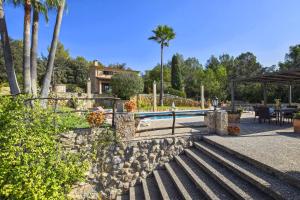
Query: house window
106,88
108,73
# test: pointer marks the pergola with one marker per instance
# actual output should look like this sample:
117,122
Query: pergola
288,77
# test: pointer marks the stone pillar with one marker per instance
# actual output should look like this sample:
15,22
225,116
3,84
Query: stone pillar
221,122
217,122
125,125
202,97
100,87
209,120
154,97
89,93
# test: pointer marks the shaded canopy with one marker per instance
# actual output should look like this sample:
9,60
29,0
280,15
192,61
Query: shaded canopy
283,77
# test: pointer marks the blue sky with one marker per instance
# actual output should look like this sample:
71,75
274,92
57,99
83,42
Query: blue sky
114,31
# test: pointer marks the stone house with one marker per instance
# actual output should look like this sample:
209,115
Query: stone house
100,77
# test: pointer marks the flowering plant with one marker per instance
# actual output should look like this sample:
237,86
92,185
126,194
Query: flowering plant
96,119
130,106
233,130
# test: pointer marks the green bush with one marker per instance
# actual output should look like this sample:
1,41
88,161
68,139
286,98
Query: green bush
126,85
74,88
175,92
32,163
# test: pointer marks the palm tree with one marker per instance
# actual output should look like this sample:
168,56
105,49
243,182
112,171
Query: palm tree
51,56
11,75
26,47
38,8
162,35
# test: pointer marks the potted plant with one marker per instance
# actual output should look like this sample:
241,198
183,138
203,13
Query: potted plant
234,116
296,122
233,130
130,106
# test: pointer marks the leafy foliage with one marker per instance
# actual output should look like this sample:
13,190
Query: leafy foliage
33,165
127,84
162,35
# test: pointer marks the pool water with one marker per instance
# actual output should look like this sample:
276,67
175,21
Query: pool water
170,117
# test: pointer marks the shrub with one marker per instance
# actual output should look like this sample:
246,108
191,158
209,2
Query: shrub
33,165
175,92
126,85
74,88
96,119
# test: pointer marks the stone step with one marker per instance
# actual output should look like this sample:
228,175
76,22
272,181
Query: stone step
209,187
271,185
166,186
132,193
151,190
146,190
237,186
185,186
268,169
123,197
136,192
119,198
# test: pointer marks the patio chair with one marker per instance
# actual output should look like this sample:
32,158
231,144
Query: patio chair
265,114
289,115
256,112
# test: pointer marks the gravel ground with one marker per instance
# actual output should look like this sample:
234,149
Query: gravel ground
278,147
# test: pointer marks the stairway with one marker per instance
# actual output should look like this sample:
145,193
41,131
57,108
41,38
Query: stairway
210,171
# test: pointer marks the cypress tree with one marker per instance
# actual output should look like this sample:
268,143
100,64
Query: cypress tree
176,76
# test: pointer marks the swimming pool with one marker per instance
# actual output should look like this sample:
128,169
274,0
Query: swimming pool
185,114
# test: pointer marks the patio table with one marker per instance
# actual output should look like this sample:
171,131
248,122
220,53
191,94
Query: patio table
280,113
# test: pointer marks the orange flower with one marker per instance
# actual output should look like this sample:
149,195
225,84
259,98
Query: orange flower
96,119
130,106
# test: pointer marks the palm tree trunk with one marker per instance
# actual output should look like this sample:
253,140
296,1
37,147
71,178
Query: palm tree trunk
161,97
26,48
10,70
33,53
51,57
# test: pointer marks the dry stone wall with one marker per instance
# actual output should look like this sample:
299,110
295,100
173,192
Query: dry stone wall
123,164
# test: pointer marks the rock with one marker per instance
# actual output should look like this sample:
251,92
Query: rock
132,183
116,160
143,157
126,186
181,141
80,140
156,141
152,157
169,141
144,174
127,165
145,164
